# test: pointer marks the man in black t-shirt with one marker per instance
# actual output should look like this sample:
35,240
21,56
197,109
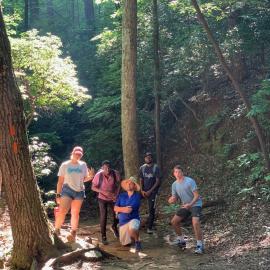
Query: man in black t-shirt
150,182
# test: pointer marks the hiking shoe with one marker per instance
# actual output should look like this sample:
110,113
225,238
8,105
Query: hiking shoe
181,244
115,232
138,246
149,231
199,250
71,237
104,241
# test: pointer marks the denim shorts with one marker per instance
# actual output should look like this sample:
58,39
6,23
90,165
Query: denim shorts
70,193
134,224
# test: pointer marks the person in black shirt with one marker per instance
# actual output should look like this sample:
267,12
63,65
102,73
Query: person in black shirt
150,181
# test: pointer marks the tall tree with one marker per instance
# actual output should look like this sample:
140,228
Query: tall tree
34,12
235,83
72,12
89,13
128,95
157,80
30,228
50,11
26,15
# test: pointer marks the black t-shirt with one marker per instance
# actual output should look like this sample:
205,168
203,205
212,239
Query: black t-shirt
149,175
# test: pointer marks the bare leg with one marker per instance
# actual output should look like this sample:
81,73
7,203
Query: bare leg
134,234
75,214
176,223
64,207
197,228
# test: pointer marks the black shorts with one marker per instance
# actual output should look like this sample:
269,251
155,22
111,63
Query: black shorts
184,213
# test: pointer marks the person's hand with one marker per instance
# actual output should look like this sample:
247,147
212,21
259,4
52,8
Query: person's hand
114,198
172,199
148,193
58,200
128,209
186,205
91,173
144,194
107,193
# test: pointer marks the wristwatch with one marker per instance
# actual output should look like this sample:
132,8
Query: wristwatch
58,195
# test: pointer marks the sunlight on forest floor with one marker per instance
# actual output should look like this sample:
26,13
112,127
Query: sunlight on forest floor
159,251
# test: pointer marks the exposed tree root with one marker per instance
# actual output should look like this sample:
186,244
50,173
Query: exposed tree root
81,254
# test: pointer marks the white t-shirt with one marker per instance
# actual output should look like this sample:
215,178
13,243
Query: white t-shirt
73,174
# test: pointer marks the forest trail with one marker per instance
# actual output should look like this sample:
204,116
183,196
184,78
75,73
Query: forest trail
158,250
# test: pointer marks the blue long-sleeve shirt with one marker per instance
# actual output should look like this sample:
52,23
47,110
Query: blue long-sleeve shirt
134,201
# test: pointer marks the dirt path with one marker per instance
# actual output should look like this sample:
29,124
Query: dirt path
160,253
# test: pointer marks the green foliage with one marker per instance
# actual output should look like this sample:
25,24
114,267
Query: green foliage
12,21
49,204
42,163
252,162
169,209
46,78
50,81
104,141
261,105
213,121
251,175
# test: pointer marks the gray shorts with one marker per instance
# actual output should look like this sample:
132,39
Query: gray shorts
69,192
194,211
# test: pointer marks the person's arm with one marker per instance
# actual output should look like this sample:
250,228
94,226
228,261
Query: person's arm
97,189
125,209
95,183
195,199
90,174
118,181
60,183
157,183
174,197
121,209
141,182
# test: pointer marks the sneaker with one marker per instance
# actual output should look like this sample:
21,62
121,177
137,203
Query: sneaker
181,244
115,232
138,246
71,237
199,250
150,231
104,241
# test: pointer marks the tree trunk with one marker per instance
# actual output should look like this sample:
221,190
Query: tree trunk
238,58
72,12
26,15
34,12
235,83
157,81
89,13
128,95
50,12
30,228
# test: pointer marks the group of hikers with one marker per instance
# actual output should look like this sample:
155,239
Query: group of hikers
125,205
